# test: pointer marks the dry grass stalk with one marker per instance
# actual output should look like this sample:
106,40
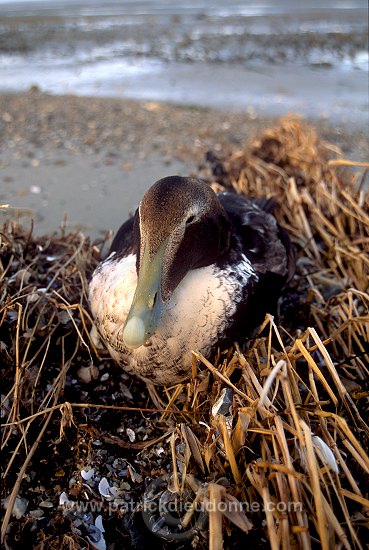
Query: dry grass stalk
216,493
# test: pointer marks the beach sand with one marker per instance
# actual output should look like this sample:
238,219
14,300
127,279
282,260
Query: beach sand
89,160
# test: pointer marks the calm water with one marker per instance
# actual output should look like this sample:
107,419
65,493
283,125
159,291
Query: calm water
266,56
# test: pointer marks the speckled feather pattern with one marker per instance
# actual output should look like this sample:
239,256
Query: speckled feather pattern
201,309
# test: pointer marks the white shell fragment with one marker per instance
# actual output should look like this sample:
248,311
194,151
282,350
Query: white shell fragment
87,374
131,434
324,453
33,297
98,541
63,499
19,508
53,258
99,524
104,488
106,491
88,474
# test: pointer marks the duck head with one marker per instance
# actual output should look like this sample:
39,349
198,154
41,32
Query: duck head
179,225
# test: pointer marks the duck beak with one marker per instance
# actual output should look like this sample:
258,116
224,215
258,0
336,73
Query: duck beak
147,305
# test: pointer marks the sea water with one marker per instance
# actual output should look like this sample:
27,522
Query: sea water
261,56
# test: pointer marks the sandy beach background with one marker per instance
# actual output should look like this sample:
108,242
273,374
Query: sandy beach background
97,101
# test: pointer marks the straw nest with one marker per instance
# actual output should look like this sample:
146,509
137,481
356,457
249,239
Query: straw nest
268,445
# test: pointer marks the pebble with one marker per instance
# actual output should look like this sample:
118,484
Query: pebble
129,127
35,189
87,374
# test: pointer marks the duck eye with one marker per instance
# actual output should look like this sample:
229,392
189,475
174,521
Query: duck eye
190,220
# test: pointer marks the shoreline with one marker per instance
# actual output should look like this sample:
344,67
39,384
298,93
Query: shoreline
93,158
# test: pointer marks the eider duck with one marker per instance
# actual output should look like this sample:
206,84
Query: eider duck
191,270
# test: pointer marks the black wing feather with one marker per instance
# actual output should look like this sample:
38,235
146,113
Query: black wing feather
260,237
124,243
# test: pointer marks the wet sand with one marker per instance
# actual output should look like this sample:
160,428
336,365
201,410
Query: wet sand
91,159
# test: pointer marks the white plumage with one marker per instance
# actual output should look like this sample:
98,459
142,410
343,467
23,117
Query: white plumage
200,309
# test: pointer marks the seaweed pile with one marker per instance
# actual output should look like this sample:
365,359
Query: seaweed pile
267,445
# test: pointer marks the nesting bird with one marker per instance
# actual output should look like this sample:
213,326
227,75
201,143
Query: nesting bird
191,270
